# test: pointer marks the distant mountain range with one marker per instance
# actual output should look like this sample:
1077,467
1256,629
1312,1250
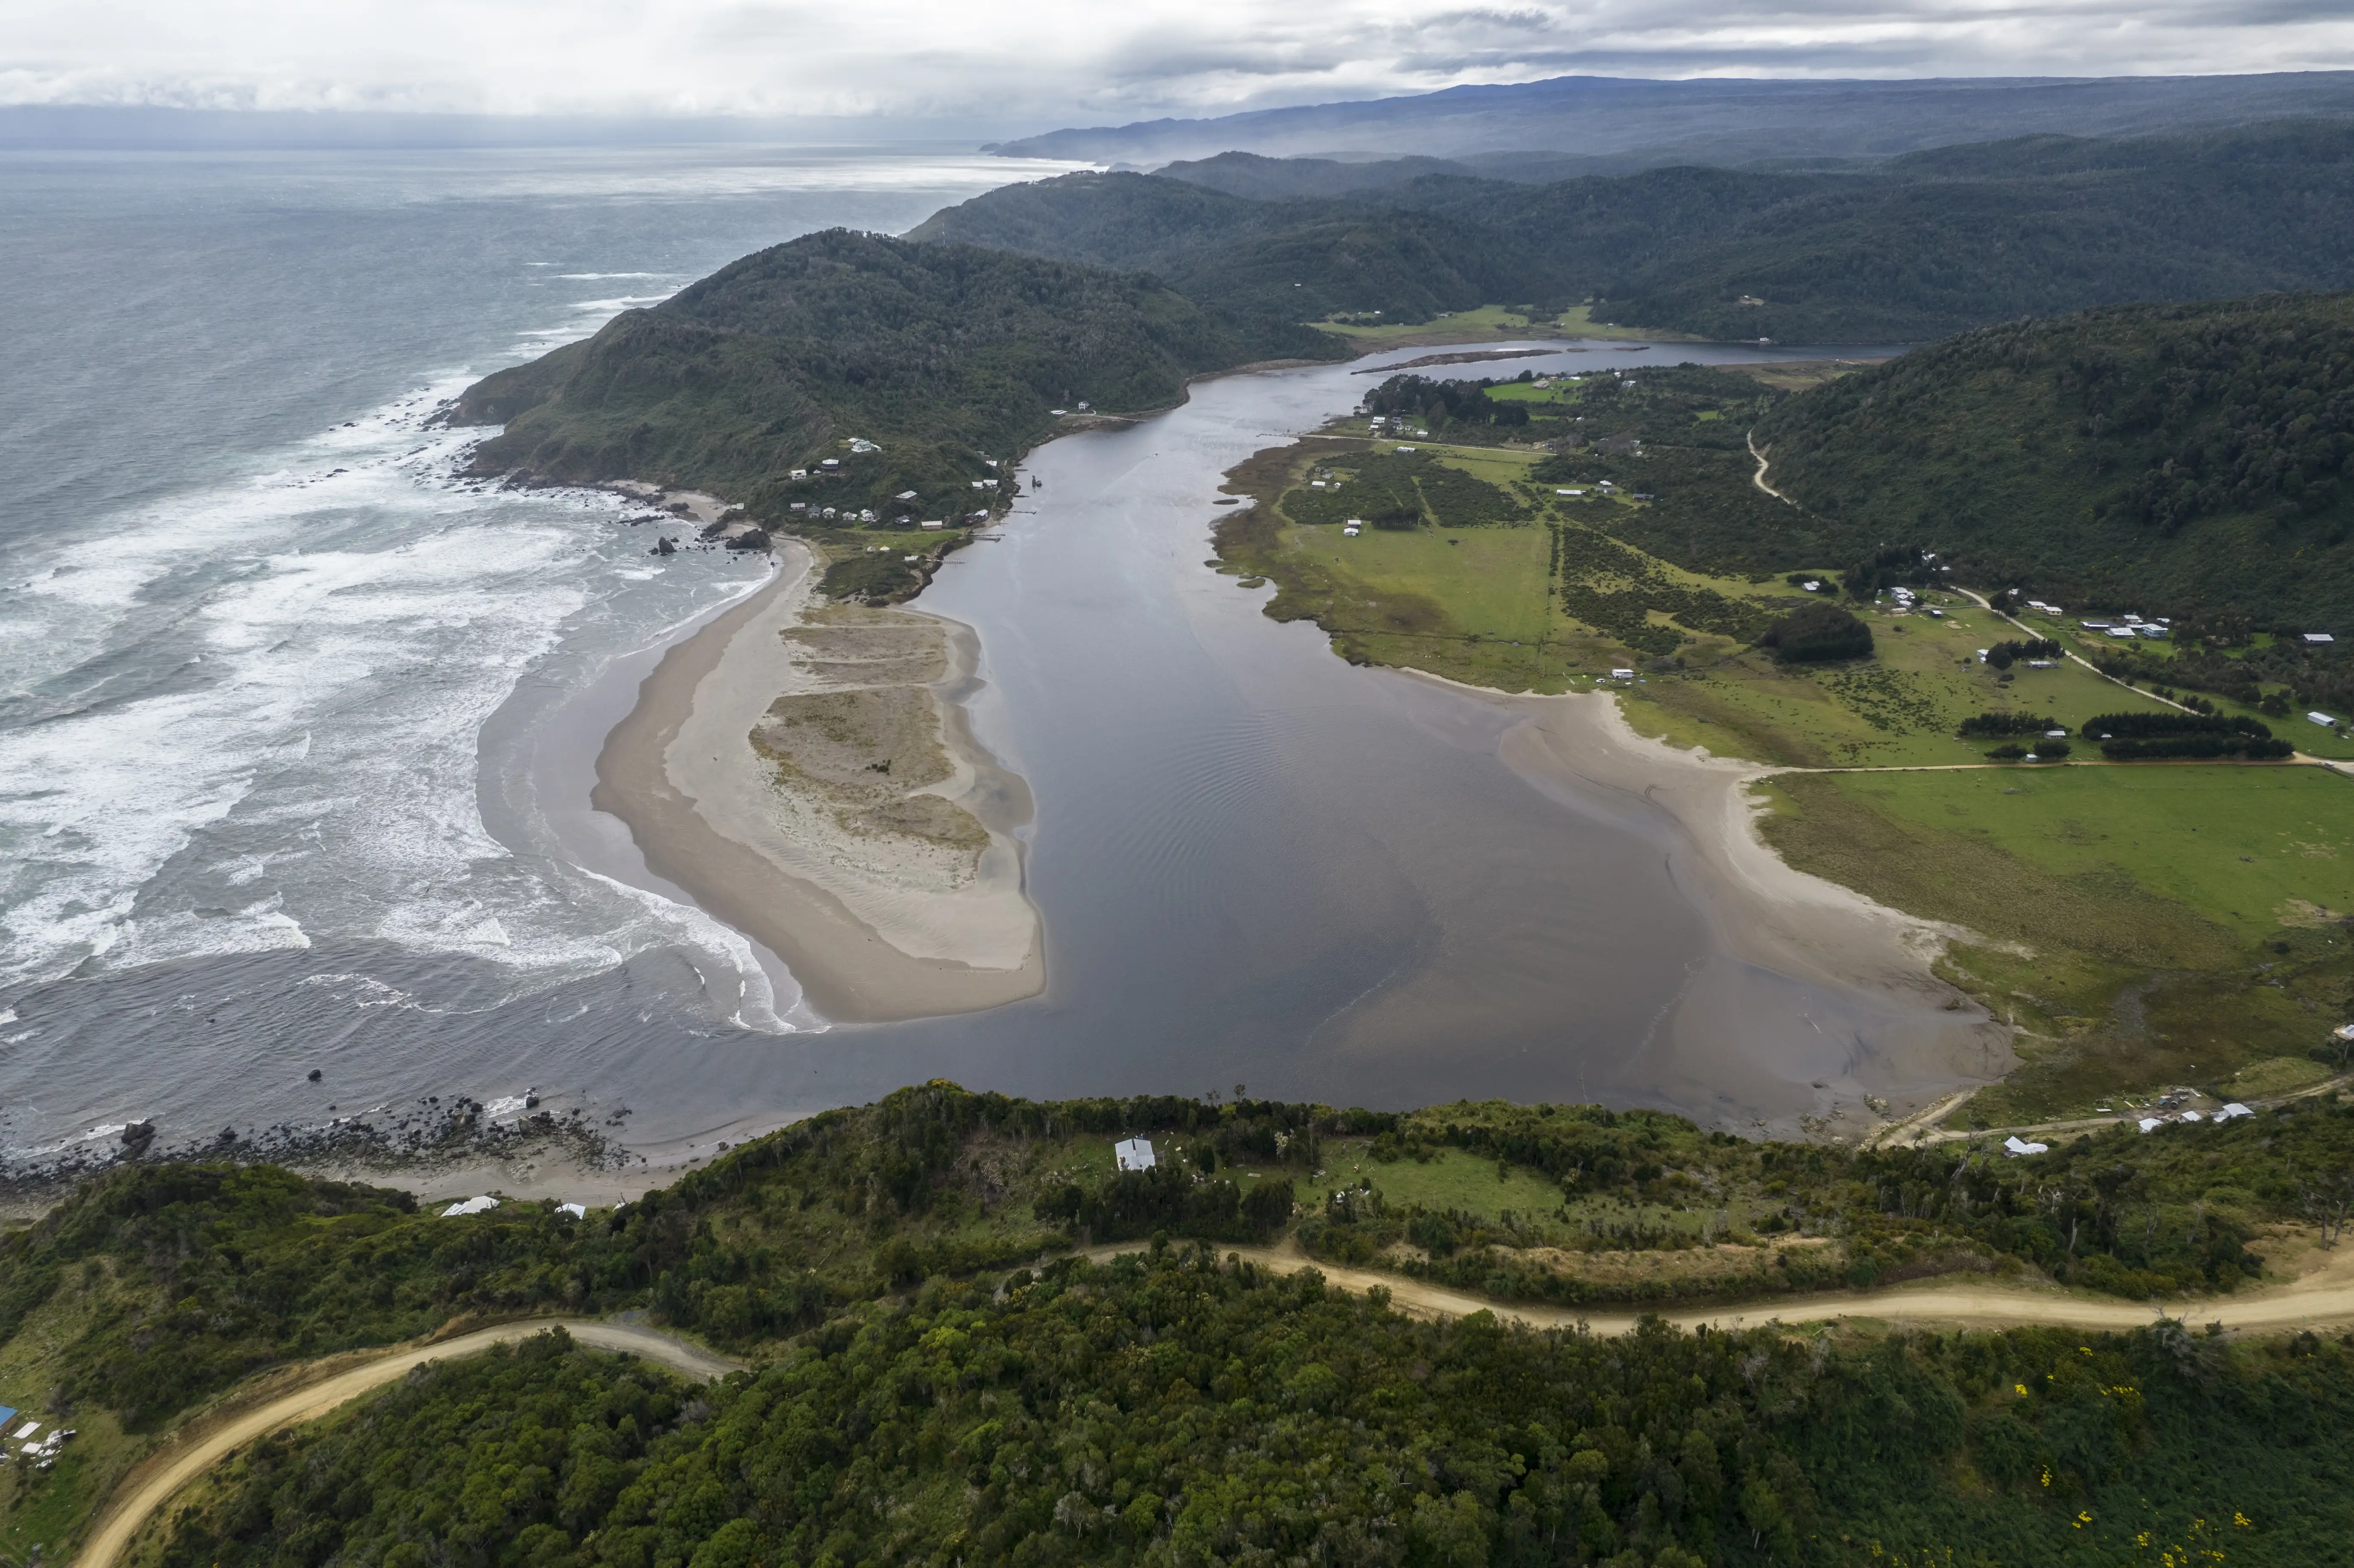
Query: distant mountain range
1902,250
1610,125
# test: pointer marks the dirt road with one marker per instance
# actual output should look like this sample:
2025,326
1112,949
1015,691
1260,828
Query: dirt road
2323,1297
152,1484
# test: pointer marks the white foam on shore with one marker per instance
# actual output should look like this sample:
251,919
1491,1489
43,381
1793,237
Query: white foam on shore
251,718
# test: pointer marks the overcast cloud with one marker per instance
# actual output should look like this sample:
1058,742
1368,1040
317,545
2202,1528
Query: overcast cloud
1049,62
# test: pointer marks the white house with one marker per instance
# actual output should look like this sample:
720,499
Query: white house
2015,1146
2319,637
1133,1154
2324,720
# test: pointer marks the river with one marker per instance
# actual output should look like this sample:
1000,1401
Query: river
295,715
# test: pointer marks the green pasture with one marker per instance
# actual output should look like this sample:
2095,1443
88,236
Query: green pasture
1490,581
2251,848
1448,1178
1487,318
2307,736
1899,709
2141,924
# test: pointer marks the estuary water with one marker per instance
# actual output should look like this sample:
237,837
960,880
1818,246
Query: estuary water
293,718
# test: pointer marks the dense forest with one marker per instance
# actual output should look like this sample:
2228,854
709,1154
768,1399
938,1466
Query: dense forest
2183,460
1173,1409
907,366
1915,248
936,1378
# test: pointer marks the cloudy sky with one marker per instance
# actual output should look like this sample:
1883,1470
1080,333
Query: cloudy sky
1046,62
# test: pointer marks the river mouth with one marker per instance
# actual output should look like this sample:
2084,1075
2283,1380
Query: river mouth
1262,869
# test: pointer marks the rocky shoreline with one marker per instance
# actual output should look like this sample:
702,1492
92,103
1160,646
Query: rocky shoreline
432,1135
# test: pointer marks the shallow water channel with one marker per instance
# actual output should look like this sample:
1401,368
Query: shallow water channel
1259,865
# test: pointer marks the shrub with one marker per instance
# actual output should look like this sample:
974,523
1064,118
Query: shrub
1815,633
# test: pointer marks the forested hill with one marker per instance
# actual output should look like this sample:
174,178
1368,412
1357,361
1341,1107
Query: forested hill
934,1377
2183,459
1913,248
1292,260
940,355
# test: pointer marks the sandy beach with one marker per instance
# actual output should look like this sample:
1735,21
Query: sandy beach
1768,919
756,771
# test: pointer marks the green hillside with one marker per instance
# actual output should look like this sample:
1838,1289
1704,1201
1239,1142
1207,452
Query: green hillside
939,355
935,1376
1911,248
2189,460
1293,260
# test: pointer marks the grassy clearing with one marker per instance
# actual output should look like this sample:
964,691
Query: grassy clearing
1448,328
1900,710
42,1513
1579,322
2147,926
2312,739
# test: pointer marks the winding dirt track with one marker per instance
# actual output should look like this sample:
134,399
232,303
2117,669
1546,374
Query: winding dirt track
154,1482
2323,1297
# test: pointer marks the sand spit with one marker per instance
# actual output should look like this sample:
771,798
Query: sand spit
1771,919
802,771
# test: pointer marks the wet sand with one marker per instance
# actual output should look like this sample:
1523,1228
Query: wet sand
1769,920
864,936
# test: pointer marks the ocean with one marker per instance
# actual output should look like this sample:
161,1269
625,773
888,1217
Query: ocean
254,620
296,718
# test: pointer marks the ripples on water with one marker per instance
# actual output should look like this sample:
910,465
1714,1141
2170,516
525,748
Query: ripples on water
253,620
279,689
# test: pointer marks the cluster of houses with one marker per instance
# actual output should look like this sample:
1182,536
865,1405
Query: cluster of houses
2171,1108
28,1444
2125,629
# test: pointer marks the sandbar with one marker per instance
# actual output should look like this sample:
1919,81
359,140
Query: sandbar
740,775
1919,1038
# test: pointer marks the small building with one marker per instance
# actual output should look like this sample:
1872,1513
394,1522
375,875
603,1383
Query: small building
936,523
2015,1146
2125,631
2042,663
2319,637
2324,720
829,463
2233,1110
1622,674
1133,1154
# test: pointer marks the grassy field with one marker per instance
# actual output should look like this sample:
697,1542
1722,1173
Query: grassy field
2308,737
2144,925
1444,328
1577,322
1900,710
1472,604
